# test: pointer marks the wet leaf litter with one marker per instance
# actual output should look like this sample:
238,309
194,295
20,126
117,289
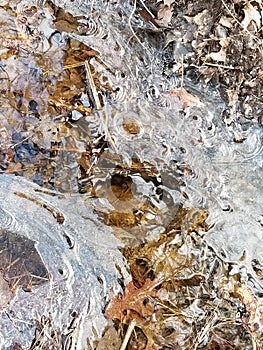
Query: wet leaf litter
148,113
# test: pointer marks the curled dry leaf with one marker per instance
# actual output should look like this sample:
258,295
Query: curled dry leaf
253,306
221,55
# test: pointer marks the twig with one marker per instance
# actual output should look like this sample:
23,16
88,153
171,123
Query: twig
253,341
146,8
254,344
219,65
129,22
14,319
128,335
93,94
182,78
150,13
205,330
20,142
75,65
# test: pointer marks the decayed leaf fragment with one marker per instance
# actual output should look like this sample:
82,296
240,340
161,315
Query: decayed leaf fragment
167,2
133,300
252,17
220,55
253,305
164,15
6,293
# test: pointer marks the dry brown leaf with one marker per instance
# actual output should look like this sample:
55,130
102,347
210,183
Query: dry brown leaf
186,99
110,340
65,22
133,300
207,73
14,168
202,20
121,219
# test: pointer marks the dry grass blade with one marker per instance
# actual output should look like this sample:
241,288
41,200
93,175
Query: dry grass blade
130,25
94,96
92,86
128,335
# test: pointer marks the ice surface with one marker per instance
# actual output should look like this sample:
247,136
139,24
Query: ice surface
194,146
79,254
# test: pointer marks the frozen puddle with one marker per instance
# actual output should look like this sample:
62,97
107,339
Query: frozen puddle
201,159
59,261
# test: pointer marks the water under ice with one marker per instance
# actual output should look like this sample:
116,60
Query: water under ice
71,269
226,176
191,147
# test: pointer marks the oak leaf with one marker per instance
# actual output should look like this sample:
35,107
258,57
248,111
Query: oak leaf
133,300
